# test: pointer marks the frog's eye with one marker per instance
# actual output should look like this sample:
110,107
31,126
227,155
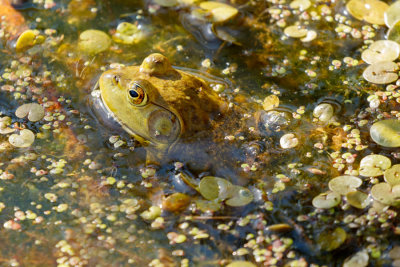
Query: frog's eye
136,95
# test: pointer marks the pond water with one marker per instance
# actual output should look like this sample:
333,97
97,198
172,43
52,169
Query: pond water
285,155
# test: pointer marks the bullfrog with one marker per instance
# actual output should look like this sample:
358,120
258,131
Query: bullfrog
174,114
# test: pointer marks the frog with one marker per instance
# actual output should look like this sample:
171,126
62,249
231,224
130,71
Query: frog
174,114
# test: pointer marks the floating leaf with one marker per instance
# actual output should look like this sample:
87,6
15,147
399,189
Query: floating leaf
24,139
386,194
376,12
128,33
381,73
94,41
372,11
386,133
240,264
382,50
289,141
241,197
360,259
394,32
326,200
358,199
392,175
324,112
34,111
270,102
295,31
220,12
331,240
392,14
374,165
207,205
300,4
211,188
344,184
166,3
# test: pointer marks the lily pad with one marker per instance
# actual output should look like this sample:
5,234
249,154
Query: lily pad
166,3
360,259
128,33
241,197
356,8
324,112
344,184
374,165
24,139
289,141
392,175
382,50
300,4
34,111
220,12
372,11
392,14
386,194
240,264
386,133
295,31
394,32
94,41
207,205
326,200
270,102
331,240
358,199
383,72
376,12
211,188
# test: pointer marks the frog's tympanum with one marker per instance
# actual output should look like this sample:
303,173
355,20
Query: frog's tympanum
173,113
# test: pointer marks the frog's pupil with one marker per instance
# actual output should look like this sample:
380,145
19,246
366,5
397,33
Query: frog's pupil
133,93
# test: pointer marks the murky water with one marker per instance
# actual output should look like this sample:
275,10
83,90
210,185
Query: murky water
81,194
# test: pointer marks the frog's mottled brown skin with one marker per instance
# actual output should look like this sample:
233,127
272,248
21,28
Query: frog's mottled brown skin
180,113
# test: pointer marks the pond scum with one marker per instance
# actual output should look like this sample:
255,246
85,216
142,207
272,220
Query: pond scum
321,187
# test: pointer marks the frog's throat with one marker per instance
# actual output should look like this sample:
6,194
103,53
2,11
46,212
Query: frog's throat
163,148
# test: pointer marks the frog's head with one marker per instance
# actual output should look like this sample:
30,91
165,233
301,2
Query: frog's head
156,103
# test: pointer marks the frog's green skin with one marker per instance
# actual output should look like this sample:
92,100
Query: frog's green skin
174,114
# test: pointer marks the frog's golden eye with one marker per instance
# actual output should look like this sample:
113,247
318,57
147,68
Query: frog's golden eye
137,96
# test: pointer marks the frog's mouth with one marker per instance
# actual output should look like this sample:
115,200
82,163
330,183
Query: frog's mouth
101,112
